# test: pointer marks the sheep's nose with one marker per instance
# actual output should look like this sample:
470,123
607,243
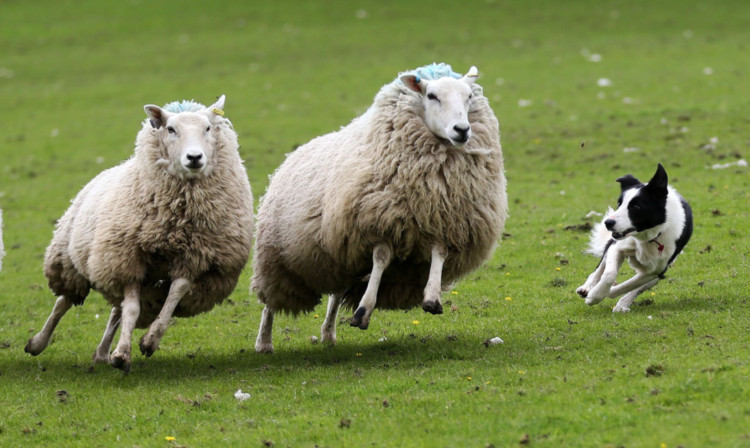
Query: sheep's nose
194,158
463,132
609,224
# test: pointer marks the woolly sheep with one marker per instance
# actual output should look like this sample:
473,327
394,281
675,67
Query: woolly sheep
389,211
165,233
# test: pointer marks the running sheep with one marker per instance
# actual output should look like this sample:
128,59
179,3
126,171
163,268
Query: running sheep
389,211
165,233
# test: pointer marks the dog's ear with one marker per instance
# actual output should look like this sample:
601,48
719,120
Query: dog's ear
660,180
627,182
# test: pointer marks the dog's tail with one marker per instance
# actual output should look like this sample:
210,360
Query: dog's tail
600,236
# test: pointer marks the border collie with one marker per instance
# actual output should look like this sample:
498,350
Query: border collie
651,226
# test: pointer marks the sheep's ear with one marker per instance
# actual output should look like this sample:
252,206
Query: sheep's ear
157,116
471,75
414,83
216,109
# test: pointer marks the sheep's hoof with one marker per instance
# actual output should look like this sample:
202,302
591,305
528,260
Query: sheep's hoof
33,349
121,362
100,358
360,320
147,348
264,347
432,307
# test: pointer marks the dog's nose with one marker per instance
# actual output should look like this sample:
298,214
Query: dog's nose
609,224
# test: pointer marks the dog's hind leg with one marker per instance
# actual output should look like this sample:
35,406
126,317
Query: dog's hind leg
623,305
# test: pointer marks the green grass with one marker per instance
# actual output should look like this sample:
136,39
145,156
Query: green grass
75,75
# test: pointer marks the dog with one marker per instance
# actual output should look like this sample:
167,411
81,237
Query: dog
651,226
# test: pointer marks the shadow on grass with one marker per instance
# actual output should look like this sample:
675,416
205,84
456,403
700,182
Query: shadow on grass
170,364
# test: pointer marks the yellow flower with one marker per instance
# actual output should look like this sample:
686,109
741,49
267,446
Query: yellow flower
468,378
507,274
455,293
653,293
508,299
522,372
359,354
170,438
558,269
662,445
316,316
415,322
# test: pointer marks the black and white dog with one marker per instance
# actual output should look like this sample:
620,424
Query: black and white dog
651,226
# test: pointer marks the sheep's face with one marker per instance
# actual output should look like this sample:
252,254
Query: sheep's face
187,139
446,105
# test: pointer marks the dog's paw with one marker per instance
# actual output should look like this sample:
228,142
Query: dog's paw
583,291
621,309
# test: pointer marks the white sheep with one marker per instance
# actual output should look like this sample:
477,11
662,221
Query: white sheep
389,211
165,233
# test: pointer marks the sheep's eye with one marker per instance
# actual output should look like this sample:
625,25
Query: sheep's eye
208,128
170,129
431,96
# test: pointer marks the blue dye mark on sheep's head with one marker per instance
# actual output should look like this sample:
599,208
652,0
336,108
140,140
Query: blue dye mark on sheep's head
434,71
184,106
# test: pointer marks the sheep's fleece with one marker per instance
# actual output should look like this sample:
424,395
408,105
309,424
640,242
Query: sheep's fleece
140,223
384,178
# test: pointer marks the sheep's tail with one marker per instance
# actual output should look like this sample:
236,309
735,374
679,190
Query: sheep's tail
600,236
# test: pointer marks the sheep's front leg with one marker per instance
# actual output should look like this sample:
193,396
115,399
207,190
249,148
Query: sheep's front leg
601,289
431,302
264,342
130,309
39,341
381,258
177,290
328,330
102,351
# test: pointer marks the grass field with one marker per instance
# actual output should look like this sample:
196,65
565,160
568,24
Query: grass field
584,91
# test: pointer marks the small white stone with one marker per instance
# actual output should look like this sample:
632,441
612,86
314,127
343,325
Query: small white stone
496,340
242,396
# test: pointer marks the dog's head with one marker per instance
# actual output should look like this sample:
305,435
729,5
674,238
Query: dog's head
640,206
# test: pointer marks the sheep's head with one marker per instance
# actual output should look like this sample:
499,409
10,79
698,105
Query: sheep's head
446,104
187,138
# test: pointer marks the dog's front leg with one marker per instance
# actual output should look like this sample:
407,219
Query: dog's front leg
593,279
632,288
612,263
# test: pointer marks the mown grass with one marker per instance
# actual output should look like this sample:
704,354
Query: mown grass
673,372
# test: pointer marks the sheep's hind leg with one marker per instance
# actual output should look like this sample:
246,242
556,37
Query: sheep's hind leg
150,341
102,351
130,309
381,258
264,342
328,330
431,303
39,341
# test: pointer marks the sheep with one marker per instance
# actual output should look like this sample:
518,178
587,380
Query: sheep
165,233
388,211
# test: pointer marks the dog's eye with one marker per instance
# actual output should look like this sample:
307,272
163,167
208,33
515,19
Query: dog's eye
170,129
636,207
432,96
